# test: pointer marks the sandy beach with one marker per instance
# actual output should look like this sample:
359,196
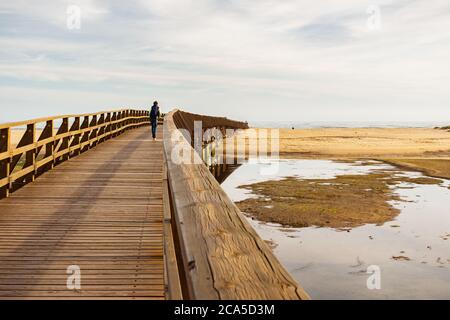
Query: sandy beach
421,149
365,142
17,134
350,142
407,149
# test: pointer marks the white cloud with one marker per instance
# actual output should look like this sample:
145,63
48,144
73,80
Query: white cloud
309,59
53,11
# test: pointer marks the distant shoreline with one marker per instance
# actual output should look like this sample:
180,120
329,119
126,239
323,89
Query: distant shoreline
419,149
347,124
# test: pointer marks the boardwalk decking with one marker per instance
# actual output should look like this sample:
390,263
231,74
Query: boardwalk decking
101,211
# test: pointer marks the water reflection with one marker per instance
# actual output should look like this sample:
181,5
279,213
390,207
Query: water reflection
332,264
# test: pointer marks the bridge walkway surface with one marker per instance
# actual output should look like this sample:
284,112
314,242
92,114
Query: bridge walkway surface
101,212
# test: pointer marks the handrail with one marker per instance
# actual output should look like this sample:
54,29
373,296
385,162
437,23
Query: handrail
44,119
172,281
34,154
220,255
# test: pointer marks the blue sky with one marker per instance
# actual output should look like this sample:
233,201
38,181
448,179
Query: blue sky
249,59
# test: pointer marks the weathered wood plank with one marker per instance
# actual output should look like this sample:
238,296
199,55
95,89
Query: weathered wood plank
102,211
222,255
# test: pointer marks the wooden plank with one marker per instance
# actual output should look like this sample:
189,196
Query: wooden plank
171,272
82,294
98,213
222,255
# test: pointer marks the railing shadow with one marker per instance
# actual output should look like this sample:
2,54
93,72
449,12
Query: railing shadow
72,215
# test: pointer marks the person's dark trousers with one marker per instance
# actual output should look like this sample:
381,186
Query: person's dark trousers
154,125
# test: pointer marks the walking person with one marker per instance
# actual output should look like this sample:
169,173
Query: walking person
154,116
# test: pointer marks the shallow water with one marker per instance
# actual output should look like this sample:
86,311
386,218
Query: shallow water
332,264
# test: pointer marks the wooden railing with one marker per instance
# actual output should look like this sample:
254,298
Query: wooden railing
218,254
46,142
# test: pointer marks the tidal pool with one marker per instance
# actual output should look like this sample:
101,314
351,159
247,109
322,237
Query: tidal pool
412,252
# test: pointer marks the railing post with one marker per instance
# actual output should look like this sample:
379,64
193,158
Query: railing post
30,156
127,121
101,130
5,146
146,119
75,136
64,128
85,135
46,134
107,126
223,145
93,132
123,121
132,121
49,147
119,123
114,126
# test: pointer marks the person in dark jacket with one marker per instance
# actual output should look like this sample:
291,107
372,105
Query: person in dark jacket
154,116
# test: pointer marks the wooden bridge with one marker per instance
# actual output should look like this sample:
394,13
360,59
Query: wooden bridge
97,210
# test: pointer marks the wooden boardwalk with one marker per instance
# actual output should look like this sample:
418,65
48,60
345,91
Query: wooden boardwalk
101,211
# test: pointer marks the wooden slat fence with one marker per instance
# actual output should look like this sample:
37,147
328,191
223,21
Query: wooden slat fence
46,142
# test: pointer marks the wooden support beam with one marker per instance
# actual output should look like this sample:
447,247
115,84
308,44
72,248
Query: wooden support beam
114,124
108,126
76,126
47,133
172,279
62,143
85,135
5,144
93,135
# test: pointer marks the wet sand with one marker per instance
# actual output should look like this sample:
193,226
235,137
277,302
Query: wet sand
410,248
341,231
433,167
426,150
341,201
345,201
